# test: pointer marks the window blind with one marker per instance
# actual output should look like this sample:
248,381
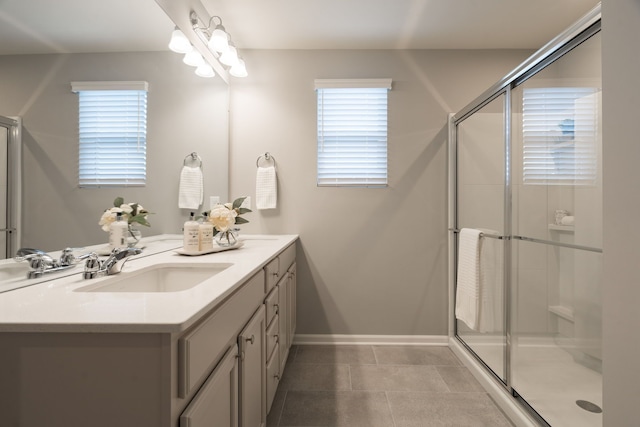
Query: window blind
352,132
560,132
112,133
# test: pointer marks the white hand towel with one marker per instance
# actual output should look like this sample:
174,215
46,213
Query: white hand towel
468,292
190,192
266,188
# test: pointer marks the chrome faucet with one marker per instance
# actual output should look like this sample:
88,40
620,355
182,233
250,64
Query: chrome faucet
41,262
113,265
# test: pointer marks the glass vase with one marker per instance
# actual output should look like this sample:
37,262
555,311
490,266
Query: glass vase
133,236
226,238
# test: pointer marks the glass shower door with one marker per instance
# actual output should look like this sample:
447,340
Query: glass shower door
556,304
480,205
4,185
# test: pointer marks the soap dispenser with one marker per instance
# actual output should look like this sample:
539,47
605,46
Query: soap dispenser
118,233
191,239
206,233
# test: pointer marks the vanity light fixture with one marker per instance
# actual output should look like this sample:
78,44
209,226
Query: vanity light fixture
230,57
205,70
218,40
179,42
193,58
238,69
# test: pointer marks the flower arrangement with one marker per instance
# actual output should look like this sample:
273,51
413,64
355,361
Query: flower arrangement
224,217
133,213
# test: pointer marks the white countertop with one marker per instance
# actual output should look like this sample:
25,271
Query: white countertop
57,306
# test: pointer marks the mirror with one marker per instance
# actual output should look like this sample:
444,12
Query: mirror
185,114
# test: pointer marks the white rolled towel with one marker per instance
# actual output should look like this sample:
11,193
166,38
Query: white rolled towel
191,188
567,220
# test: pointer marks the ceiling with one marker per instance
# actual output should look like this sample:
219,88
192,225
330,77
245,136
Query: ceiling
69,26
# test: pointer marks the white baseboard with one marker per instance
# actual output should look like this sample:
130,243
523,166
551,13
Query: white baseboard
308,339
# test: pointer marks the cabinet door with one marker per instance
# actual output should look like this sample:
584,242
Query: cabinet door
283,310
251,343
216,404
291,304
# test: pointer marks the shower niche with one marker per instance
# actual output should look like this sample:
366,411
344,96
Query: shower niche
526,170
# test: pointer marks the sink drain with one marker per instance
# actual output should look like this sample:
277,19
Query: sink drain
588,406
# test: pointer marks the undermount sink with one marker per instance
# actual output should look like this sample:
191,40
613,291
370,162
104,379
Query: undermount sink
160,278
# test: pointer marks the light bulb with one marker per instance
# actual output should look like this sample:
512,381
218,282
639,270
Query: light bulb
239,69
193,58
230,57
219,40
205,70
179,42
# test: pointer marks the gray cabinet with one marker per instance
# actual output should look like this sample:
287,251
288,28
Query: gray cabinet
251,342
281,318
216,404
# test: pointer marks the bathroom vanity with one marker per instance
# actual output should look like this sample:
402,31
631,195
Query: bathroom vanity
171,341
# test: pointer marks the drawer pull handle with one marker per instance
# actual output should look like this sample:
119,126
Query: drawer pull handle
252,339
277,338
277,377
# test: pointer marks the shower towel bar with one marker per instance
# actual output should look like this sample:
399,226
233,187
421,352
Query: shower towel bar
545,242
491,236
560,244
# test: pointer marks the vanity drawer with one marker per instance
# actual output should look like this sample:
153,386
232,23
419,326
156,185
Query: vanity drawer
272,274
271,304
200,349
273,376
272,335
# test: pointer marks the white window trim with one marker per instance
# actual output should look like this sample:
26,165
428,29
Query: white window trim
335,161
129,170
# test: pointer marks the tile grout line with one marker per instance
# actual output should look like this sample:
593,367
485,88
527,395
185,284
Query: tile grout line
393,419
284,401
442,378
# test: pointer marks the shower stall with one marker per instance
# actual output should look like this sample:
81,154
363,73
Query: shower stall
10,140
525,162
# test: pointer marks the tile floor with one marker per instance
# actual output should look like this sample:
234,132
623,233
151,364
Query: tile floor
380,386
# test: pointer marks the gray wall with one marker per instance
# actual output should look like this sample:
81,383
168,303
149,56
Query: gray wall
185,113
371,261
621,287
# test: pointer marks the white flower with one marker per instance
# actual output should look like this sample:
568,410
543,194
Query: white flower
222,217
127,209
107,218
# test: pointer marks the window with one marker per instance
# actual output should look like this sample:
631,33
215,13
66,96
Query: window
112,133
352,132
560,134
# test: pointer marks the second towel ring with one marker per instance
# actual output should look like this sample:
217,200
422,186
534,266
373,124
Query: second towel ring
267,157
193,157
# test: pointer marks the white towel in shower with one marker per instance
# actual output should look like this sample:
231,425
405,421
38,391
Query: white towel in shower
191,188
491,283
266,188
468,292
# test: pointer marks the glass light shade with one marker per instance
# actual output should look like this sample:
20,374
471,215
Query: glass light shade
205,70
230,57
193,58
239,69
219,40
179,42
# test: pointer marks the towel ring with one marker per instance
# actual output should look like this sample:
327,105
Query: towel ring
193,157
267,157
